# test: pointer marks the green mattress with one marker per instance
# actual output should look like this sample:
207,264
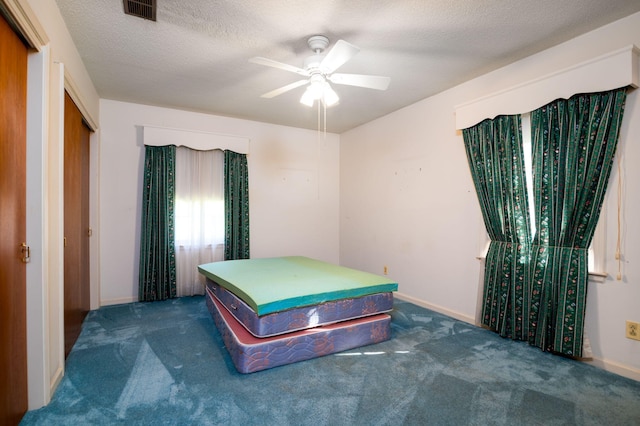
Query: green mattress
277,284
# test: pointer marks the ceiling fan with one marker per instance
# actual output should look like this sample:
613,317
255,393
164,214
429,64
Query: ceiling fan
320,70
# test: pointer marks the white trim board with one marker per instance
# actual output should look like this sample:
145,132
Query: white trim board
202,141
606,72
119,301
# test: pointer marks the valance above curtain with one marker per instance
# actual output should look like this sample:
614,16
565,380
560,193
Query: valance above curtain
618,68
194,139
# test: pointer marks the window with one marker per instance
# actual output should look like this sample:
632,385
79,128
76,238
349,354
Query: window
199,215
597,248
198,221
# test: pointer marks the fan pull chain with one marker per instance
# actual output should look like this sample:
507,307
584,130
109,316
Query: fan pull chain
325,120
318,120
322,127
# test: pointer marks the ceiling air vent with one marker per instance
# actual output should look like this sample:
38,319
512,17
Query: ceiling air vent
145,9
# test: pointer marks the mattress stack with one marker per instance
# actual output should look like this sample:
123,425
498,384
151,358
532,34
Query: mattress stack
276,311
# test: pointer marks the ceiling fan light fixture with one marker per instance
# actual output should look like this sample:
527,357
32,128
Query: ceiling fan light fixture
308,98
313,92
330,97
319,90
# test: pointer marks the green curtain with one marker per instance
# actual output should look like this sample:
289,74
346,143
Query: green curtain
236,206
496,161
157,279
574,142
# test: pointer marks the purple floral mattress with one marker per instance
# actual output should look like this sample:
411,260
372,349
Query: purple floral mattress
303,317
250,354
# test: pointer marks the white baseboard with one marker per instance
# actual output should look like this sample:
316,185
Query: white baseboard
610,366
119,301
616,368
55,381
439,309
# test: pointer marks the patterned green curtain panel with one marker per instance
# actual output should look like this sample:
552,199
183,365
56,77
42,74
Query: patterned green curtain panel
236,205
157,279
496,161
574,142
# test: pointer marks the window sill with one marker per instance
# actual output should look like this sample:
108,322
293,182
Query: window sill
598,277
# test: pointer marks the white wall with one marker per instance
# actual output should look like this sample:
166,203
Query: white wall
63,50
407,201
293,188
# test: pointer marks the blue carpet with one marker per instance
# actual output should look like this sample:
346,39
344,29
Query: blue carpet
164,363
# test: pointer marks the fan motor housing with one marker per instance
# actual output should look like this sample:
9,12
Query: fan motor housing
312,64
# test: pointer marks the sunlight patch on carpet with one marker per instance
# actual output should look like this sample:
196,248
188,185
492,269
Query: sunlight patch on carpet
149,382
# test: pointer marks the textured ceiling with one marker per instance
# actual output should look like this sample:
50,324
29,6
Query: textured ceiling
195,56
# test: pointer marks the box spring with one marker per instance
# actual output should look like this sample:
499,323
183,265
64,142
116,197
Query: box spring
250,354
303,317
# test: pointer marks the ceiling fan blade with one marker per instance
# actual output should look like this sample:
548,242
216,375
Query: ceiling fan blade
275,64
369,81
283,89
340,53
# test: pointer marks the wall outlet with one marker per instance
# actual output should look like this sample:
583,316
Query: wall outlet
633,330
386,270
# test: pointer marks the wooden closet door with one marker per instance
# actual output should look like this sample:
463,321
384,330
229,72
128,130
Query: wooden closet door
76,223
13,206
